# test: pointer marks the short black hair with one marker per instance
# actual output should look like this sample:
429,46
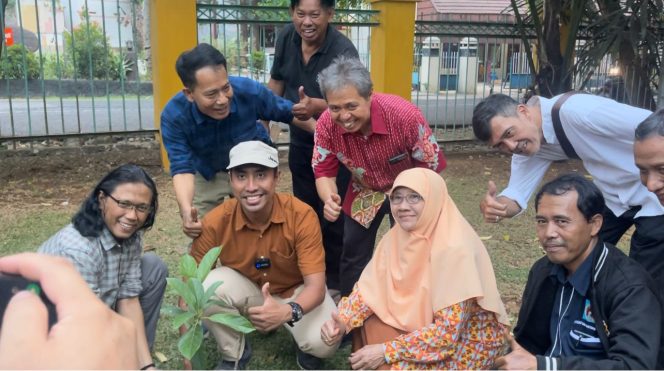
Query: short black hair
652,125
89,221
192,60
492,106
590,201
327,4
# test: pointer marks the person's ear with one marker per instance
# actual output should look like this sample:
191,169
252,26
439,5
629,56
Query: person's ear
100,198
596,224
188,94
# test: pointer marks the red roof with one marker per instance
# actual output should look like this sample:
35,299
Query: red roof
472,6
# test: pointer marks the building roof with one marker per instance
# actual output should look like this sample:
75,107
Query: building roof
472,6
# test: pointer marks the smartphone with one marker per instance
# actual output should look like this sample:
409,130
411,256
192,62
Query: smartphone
11,284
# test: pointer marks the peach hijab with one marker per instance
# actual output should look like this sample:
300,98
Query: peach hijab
440,263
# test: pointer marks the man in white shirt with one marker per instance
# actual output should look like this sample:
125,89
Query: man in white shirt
601,132
649,153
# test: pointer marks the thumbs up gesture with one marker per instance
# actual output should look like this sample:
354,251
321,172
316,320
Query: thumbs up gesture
304,109
333,330
332,208
271,314
492,210
191,226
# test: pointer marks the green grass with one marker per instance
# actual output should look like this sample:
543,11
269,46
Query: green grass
31,211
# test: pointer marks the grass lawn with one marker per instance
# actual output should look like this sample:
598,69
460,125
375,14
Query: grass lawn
38,195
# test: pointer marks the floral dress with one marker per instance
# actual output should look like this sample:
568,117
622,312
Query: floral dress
462,336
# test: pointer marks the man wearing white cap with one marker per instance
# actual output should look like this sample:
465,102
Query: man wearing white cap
272,260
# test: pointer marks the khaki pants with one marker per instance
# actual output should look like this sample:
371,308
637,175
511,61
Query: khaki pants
241,294
208,194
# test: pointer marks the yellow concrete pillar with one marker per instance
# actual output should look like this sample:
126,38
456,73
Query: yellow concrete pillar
392,46
173,30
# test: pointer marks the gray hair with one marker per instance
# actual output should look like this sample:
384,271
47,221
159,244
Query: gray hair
345,71
652,125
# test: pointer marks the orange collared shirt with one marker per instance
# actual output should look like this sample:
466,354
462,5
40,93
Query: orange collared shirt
292,241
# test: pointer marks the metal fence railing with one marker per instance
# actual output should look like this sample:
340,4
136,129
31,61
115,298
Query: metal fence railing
81,67
74,67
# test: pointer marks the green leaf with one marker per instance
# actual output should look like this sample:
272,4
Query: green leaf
171,310
234,321
181,319
188,266
210,291
196,287
183,290
207,262
191,341
220,302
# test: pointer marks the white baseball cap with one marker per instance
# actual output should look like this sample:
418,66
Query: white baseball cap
253,152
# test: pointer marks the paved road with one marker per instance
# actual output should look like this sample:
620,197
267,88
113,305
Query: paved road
26,118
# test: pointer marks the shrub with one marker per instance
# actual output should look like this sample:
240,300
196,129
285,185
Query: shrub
88,50
55,68
19,63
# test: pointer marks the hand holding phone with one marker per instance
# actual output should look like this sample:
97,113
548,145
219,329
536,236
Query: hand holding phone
85,332
11,285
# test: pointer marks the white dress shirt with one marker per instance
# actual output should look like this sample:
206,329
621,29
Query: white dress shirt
601,131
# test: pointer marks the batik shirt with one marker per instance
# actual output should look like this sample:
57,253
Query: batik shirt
400,139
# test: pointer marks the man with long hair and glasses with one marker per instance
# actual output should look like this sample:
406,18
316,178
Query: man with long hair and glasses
105,243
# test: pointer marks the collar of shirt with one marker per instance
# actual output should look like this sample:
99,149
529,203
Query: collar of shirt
108,241
580,280
377,120
327,43
201,118
277,216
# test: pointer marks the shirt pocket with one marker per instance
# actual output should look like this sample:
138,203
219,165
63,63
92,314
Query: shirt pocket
584,339
398,163
283,251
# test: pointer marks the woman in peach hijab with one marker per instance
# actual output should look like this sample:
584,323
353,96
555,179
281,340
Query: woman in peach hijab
428,297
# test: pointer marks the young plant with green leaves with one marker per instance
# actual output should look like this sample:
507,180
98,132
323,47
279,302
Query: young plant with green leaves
198,300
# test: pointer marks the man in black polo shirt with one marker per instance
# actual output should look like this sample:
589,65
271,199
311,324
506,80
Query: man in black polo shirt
303,49
586,305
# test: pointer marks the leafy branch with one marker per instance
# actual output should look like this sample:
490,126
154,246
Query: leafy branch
198,300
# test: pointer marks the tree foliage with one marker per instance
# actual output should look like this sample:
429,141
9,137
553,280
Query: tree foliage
574,35
88,50
19,63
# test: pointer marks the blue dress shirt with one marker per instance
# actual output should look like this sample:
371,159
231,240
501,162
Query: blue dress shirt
196,142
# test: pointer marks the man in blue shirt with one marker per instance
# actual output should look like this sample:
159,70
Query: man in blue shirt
202,123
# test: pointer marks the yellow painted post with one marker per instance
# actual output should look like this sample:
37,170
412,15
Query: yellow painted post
392,46
173,30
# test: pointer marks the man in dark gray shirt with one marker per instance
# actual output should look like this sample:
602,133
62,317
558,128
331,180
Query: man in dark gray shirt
303,49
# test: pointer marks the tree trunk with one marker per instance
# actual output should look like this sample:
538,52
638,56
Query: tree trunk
3,10
637,82
553,77
147,8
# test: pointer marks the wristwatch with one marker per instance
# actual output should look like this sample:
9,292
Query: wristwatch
296,312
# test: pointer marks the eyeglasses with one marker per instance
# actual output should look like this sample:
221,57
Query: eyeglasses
142,208
411,198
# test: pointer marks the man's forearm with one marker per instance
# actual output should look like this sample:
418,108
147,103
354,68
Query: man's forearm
513,207
184,191
308,125
313,293
326,187
320,105
131,308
